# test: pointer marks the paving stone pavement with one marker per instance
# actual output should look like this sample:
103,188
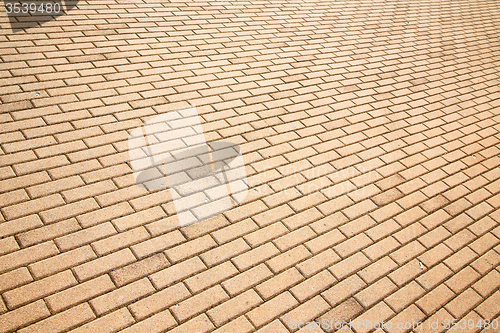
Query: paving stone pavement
370,132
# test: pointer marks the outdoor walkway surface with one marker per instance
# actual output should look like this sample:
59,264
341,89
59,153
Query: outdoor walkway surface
370,131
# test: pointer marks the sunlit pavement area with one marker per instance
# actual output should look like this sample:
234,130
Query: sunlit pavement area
370,134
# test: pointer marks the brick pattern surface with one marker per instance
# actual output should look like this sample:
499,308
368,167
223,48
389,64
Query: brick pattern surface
370,132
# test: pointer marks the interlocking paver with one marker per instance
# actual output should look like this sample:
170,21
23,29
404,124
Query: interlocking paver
372,166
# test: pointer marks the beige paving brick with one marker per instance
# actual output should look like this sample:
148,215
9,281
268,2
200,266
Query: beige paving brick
27,256
177,272
104,214
234,231
79,293
60,322
159,301
279,283
112,322
38,289
103,264
255,256
234,307
272,215
61,262
32,206
238,325
487,283
271,309
407,272
8,245
199,303
373,318
48,232
85,236
156,323
349,309
15,278
305,312
139,269
68,210
463,303
120,240
190,248
404,296
435,299
411,315
200,324
25,315
211,277
121,296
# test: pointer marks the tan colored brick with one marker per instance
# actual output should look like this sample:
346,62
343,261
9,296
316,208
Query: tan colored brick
55,186
306,312
224,252
377,314
234,231
139,269
104,214
434,276
244,211
32,206
407,272
48,232
349,309
288,258
79,293
63,321
487,309
487,283
409,315
463,303
271,309
279,283
200,324
61,261
157,323
8,245
87,191
272,215
460,259
238,325
137,219
22,316
404,296
313,286
121,296
112,322
190,248
103,264
199,303
38,289
40,164
435,299
69,210
255,256
211,277
318,262
85,236
120,240
352,245
377,269
15,278
246,280
27,256
176,272
234,307
293,238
